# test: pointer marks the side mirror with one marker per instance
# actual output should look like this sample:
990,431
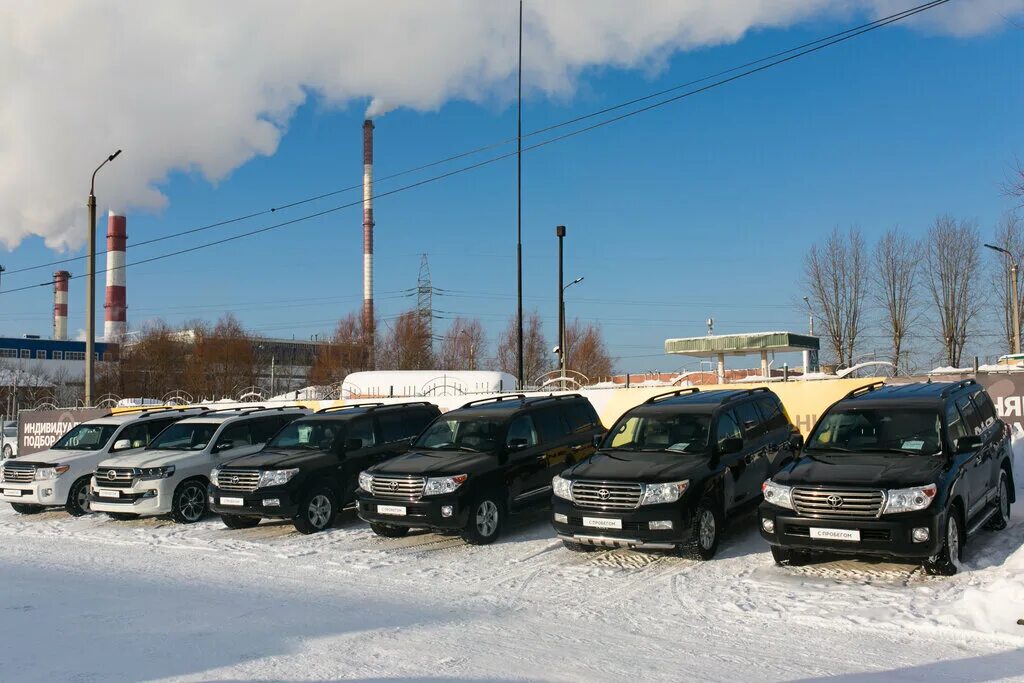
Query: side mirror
597,440
966,444
224,446
796,441
326,444
516,444
122,444
733,445
353,444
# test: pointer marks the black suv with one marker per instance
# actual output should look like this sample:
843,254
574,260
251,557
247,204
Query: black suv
475,464
672,470
909,471
310,469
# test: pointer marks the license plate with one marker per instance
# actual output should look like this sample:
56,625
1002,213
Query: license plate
104,493
14,493
602,523
835,534
232,501
391,510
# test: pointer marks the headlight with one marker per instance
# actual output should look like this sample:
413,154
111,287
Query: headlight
366,482
438,485
668,492
276,477
909,500
157,472
51,472
562,487
213,477
777,494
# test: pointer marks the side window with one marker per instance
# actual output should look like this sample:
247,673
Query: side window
581,415
552,423
954,425
265,427
771,413
419,419
360,429
986,411
749,420
237,434
155,427
394,426
970,414
136,435
521,433
727,429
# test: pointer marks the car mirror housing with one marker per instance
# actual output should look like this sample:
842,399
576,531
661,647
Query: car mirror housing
122,444
966,444
224,446
733,445
516,444
598,438
796,441
353,444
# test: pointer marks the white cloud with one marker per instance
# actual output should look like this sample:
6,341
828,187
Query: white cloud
204,86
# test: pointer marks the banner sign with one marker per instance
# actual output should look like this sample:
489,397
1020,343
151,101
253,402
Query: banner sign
39,429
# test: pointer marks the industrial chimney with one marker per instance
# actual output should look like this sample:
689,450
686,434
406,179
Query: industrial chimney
60,304
114,326
368,231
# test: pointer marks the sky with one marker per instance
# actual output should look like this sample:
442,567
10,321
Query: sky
702,208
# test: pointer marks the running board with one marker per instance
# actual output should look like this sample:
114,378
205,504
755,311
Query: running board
982,518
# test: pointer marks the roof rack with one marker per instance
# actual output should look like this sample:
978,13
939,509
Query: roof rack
152,410
866,389
246,410
669,394
743,393
956,385
495,399
533,400
373,406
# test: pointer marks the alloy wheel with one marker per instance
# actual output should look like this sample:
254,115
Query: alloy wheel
319,511
953,540
1004,498
707,529
82,498
192,503
487,518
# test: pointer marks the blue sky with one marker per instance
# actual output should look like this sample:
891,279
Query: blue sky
701,208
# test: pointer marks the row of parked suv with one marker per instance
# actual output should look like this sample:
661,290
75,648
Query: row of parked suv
910,471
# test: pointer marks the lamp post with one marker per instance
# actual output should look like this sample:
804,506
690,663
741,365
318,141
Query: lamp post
1015,313
472,349
90,296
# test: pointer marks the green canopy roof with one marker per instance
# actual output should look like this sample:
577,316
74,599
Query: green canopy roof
742,344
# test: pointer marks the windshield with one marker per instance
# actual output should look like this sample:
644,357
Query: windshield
315,435
184,436
896,430
467,434
682,433
85,437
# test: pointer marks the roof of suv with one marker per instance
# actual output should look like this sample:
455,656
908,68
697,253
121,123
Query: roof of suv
508,404
147,414
351,410
225,414
921,394
694,398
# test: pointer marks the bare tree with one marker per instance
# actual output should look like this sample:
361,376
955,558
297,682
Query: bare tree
1010,236
537,359
464,345
951,261
586,351
1014,185
347,352
407,345
894,279
835,274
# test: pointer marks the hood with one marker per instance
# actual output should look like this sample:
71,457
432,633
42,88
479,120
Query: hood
641,467
882,470
434,463
54,457
278,459
152,458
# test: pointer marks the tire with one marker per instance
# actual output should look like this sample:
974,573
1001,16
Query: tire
188,505
78,498
316,512
239,521
947,561
388,531
706,530
787,557
578,547
485,520
1001,519
23,509
122,516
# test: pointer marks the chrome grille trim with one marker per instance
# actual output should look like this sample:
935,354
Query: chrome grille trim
18,473
232,479
123,477
398,487
856,503
616,496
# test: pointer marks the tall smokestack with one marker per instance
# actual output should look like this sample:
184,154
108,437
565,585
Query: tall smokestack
368,230
60,304
114,325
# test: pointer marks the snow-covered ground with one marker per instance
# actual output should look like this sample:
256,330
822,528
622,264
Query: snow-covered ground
91,599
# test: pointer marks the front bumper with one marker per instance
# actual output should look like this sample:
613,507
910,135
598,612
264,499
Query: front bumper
635,532
888,536
45,492
425,513
144,498
258,503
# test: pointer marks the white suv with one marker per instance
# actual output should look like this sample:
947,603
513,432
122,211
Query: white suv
170,475
9,441
59,477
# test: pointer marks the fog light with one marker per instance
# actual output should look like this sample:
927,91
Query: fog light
211,499
271,502
562,519
921,534
768,525
447,510
660,524
47,492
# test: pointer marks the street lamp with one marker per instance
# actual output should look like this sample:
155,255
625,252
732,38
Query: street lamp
90,272
562,351
472,348
1015,315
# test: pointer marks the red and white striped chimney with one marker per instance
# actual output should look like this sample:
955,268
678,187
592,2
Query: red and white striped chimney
368,229
114,325
60,304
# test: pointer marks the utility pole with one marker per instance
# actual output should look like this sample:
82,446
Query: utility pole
519,205
560,234
1015,296
2,270
90,296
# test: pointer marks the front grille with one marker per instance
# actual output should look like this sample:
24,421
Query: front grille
399,488
115,477
18,473
246,481
607,495
838,504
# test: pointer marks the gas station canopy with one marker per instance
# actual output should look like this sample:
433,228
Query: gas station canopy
741,344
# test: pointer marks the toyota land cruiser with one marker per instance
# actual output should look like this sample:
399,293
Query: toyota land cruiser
310,470
909,471
673,470
170,475
474,465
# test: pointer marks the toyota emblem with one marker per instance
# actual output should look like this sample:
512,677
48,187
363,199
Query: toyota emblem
111,474
234,479
604,494
834,501
394,486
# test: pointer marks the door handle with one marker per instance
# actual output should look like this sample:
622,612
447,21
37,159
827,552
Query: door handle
577,447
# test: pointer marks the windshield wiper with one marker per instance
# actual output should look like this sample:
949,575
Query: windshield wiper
838,449
907,451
